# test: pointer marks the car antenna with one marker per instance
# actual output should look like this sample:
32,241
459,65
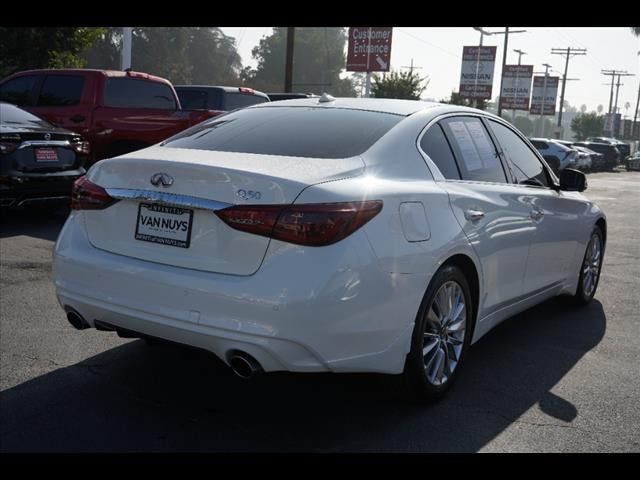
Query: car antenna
326,98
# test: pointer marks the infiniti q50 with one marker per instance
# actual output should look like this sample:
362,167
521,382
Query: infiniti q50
329,235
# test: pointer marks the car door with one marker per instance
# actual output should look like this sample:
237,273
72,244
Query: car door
555,213
490,210
62,101
134,113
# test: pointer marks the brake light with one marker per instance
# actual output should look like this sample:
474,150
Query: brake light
246,90
7,147
87,195
311,224
81,147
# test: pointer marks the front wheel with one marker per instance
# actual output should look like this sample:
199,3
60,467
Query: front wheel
441,335
590,268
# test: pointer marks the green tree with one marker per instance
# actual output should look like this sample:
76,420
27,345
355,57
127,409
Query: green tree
457,99
25,48
405,85
318,59
587,125
191,55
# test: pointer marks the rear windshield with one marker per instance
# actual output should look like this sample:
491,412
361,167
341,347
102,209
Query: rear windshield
316,132
138,93
239,100
10,114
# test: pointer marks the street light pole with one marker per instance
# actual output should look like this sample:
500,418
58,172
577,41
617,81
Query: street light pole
506,33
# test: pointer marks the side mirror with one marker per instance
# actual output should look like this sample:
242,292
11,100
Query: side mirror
573,180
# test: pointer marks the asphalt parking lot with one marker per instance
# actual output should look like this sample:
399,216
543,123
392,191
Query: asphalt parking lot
552,379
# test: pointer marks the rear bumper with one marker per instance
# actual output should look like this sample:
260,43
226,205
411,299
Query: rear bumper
323,309
25,189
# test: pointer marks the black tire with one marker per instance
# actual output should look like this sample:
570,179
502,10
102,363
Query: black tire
415,376
583,295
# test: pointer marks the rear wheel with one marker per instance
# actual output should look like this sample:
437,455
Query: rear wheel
590,268
441,335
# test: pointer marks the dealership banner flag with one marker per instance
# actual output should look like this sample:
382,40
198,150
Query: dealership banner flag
476,77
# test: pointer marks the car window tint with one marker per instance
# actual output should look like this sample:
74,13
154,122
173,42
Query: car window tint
474,150
539,144
138,93
18,90
239,100
524,164
435,145
192,99
61,90
317,132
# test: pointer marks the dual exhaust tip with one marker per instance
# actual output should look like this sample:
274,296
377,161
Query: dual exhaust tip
241,363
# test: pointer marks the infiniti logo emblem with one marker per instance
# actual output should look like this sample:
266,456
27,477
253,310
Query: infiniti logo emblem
163,179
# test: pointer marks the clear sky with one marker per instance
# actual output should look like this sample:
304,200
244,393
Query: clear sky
438,52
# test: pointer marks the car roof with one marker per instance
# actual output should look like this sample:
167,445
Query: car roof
220,87
384,105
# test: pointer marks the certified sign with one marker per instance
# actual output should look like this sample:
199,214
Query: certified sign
369,49
516,87
544,89
476,77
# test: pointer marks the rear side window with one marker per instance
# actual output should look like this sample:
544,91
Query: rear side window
19,91
61,91
192,99
539,145
290,131
524,164
239,100
435,144
477,157
138,93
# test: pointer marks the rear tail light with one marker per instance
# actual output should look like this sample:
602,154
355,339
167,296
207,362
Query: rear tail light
81,147
314,224
89,196
7,147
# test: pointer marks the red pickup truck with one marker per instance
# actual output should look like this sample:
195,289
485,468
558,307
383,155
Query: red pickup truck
116,111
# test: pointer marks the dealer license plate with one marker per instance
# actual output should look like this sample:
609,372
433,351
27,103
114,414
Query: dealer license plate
46,155
164,224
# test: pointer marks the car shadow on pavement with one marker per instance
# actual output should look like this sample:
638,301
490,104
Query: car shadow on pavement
170,398
39,223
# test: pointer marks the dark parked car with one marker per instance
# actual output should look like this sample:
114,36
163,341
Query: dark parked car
625,148
274,97
612,156
38,161
204,97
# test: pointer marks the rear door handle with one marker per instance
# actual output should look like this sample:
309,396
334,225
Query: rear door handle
473,215
537,214
77,118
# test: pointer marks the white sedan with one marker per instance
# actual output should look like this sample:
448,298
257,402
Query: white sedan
328,235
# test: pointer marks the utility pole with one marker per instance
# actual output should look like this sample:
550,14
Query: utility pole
288,72
569,52
635,115
613,73
125,52
618,85
411,68
504,56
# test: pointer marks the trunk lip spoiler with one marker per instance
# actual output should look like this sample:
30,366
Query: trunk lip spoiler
167,198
